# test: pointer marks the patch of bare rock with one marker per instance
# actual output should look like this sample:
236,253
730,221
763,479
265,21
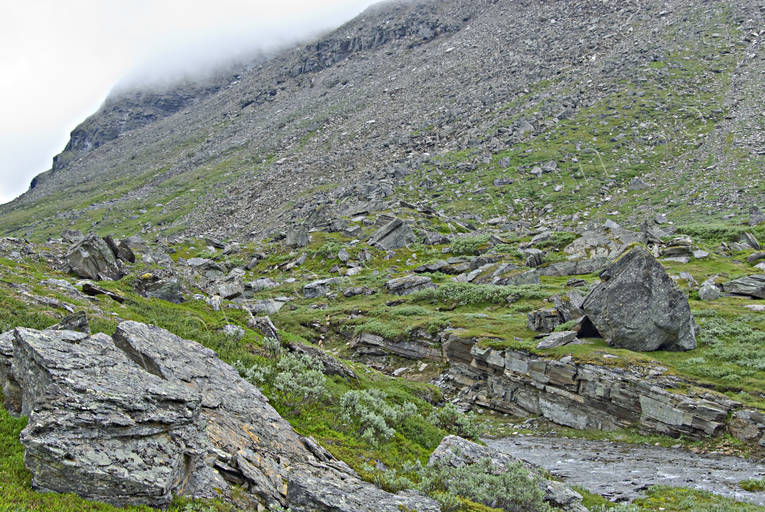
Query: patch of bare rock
144,415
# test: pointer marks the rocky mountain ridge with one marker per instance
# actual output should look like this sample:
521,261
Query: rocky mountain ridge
439,89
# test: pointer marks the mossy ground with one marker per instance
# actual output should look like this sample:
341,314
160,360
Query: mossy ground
332,321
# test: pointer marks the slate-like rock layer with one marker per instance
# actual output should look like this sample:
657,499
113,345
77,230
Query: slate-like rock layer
143,415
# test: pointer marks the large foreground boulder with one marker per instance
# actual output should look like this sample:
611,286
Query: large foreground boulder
637,306
92,258
145,415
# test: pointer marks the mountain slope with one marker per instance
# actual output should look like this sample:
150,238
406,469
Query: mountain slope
440,99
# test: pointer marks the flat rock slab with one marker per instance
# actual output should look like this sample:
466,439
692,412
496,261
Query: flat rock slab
409,284
621,471
557,339
750,286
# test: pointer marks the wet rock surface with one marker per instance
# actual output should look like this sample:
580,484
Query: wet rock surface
621,472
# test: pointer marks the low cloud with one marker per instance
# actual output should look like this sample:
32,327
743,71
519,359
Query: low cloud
61,59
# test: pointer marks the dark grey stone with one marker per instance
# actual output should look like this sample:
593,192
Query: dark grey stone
409,284
637,306
751,286
75,322
393,235
318,288
92,258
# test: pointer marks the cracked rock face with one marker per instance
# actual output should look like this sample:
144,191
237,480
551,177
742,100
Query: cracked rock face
92,258
637,306
139,417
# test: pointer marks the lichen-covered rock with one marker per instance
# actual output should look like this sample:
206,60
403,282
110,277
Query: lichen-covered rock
603,242
139,417
98,422
637,306
92,258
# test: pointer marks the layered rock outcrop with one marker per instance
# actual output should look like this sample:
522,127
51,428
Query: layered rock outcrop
141,416
589,396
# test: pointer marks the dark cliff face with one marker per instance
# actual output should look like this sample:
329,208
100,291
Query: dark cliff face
422,101
128,110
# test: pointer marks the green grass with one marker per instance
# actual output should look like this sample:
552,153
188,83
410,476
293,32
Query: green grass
754,485
689,500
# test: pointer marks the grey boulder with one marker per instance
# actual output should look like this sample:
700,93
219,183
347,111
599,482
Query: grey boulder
709,291
298,237
750,286
136,418
393,235
637,306
92,258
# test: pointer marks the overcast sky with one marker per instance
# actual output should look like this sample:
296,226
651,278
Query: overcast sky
59,59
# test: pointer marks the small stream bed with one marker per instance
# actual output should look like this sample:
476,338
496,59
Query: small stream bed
621,471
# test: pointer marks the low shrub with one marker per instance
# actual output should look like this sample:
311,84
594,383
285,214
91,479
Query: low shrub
469,245
450,419
734,341
467,294
368,412
511,488
558,240
296,379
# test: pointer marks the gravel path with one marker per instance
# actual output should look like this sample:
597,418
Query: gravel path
621,471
